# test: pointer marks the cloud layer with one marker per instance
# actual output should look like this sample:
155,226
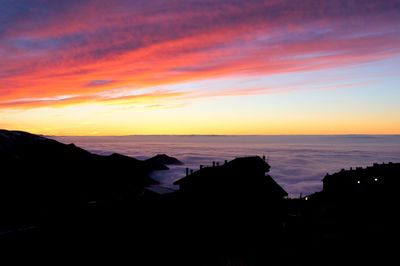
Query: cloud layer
298,163
74,52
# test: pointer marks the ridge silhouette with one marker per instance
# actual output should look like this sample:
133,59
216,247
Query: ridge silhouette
61,202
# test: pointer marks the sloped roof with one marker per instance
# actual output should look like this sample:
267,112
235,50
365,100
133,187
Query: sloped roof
238,164
240,167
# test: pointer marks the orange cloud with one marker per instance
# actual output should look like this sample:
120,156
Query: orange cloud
60,101
86,49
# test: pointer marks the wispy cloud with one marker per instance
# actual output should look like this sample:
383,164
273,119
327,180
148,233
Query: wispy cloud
86,48
60,101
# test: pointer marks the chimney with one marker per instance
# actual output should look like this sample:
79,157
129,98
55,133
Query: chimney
187,171
191,171
213,164
226,161
201,166
217,163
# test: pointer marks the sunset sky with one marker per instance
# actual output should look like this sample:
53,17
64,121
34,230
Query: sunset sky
102,67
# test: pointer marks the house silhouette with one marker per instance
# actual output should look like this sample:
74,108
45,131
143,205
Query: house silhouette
232,204
241,178
378,180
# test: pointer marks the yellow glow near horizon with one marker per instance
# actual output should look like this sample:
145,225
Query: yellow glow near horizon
97,120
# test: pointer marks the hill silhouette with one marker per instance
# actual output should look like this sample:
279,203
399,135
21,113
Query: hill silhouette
164,159
61,200
40,177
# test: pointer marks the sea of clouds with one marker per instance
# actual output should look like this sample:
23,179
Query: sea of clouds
298,163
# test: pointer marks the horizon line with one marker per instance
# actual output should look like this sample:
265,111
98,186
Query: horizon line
222,135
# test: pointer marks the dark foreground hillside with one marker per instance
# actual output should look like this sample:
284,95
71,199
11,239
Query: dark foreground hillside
61,203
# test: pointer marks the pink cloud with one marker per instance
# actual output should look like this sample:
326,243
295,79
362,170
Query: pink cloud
85,48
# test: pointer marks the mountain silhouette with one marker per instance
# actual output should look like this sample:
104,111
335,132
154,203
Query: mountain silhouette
60,199
41,177
164,159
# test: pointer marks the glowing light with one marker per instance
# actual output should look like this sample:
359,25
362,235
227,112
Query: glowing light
358,182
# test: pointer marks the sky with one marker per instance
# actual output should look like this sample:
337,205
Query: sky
103,67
